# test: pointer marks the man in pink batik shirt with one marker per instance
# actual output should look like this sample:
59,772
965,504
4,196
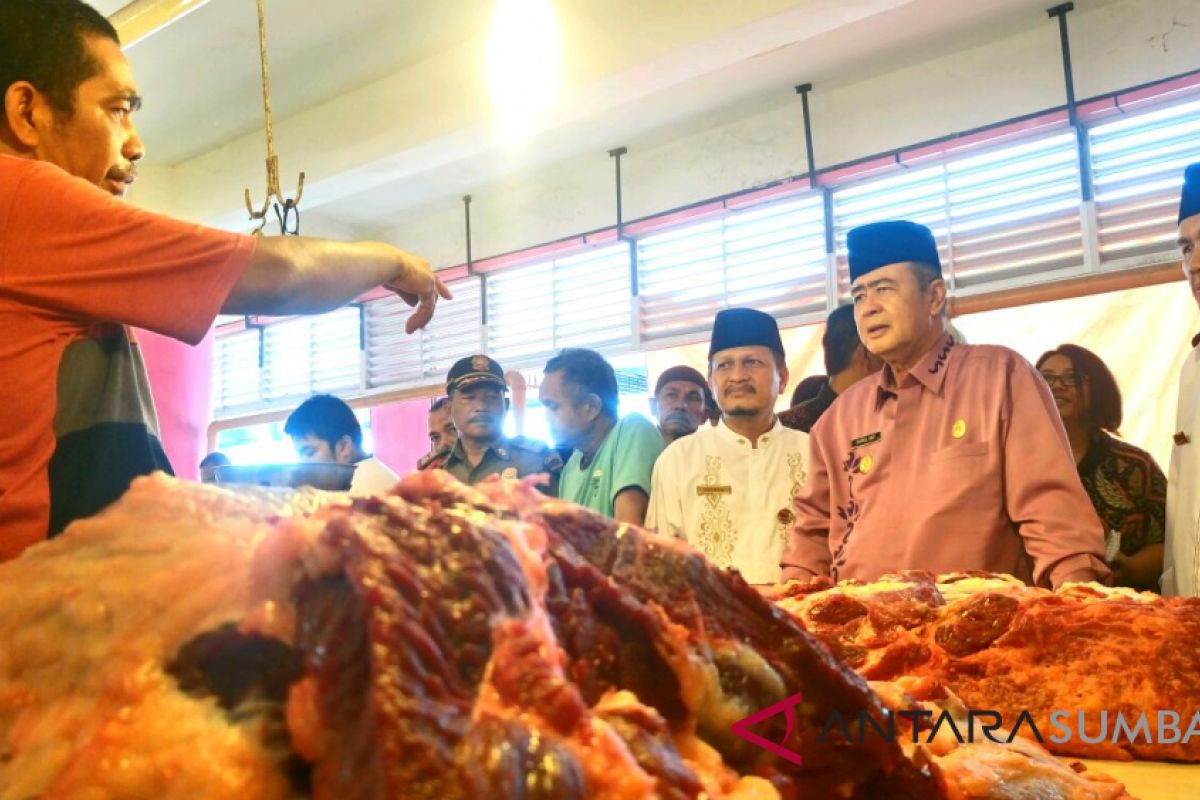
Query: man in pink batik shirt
952,458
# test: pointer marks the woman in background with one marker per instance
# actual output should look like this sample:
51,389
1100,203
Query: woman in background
1127,488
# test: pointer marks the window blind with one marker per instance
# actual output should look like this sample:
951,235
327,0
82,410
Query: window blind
579,301
395,358
1138,164
770,257
1006,212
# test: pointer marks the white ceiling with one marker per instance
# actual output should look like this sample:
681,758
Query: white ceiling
384,102
201,76
705,98
108,7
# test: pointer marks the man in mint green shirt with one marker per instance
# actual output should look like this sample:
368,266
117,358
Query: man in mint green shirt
613,459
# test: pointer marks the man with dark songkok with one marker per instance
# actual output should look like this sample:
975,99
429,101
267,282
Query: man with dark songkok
728,490
1181,567
952,458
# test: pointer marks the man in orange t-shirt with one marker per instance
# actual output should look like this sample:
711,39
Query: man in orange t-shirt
77,266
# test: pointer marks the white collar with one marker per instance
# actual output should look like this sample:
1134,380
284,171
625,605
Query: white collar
731,435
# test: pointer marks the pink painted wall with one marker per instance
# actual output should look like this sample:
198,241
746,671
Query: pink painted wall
401,433
180,381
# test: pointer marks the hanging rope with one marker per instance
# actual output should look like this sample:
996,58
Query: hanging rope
286,209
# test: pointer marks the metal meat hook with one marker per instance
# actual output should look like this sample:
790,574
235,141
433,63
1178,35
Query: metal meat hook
289,206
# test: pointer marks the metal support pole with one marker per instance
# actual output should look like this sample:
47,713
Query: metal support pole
635,328
483,312
262,342
1060,12
803,90
826,200
616,154
467,219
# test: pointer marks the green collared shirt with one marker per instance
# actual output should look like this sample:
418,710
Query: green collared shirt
508,458
625,460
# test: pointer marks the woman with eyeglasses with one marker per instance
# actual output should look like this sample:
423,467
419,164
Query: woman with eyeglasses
1127,488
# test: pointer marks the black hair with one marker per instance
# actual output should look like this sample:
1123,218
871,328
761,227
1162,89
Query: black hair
840,340
439,404
1104,396
808,388
44,42
323,416
588,373
780,358
925,274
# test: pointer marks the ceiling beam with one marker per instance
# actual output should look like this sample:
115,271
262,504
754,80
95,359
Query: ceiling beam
143,18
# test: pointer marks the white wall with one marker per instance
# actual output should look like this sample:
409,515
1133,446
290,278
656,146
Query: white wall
896,102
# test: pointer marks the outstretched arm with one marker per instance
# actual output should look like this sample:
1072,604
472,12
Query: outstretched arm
303,275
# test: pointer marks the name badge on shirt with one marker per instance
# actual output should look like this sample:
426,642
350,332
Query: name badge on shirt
863,441
713,494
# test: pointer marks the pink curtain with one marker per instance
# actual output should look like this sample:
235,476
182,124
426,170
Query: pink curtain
401,433
180,381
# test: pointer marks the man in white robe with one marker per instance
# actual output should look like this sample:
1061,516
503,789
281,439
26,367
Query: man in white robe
1181,567
728,489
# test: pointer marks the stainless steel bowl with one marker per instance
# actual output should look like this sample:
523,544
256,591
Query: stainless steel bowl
331,477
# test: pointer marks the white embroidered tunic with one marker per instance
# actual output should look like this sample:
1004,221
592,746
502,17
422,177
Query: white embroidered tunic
729,500
1181,566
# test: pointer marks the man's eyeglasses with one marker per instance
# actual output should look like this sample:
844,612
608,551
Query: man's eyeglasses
1068,380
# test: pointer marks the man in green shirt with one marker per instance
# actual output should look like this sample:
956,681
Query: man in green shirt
478,397
613,459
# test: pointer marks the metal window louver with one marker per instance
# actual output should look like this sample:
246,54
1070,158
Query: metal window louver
771,257
578,301
1138,164
396,358
1006,212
